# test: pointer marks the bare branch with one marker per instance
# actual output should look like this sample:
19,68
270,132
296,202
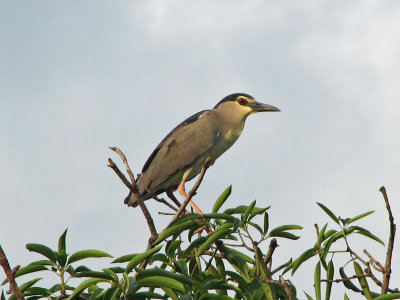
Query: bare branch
389,253
133,189
10,275
375,264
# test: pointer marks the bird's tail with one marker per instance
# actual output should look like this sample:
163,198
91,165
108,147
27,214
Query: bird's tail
126,200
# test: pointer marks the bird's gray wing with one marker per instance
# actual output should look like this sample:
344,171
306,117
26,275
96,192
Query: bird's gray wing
179,149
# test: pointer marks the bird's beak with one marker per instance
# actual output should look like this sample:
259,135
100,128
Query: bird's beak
259,107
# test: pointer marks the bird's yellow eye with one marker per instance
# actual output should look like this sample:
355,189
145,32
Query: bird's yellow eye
241,101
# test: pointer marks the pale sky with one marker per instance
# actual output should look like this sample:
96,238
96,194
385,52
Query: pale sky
78,77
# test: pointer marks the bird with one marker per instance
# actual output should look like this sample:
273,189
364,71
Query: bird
207,134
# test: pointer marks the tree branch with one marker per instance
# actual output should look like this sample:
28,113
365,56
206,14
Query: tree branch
10,275
392,233
133,189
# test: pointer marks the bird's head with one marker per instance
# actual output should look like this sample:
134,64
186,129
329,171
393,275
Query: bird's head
241,104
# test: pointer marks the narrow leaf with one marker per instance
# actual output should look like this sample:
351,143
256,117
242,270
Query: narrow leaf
360,216
302,258
85,284
61,242
248,210
388,296
124,258
221,199
284,228
317,281
161,282
347,283
86,254
140,257
215,236
329,276
363,281
266,223
328,212
176,229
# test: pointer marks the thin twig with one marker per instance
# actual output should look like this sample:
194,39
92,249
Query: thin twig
277,269
206,164
345,279
10,275
125,161
375,264
133,189
392,233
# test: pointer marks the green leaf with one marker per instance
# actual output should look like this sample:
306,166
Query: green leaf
347,283
185,279
61,242
176,229
95,274
262,269
33,291
286,235
363,281
85,284
320,237
266,223
367,233
236,261
215,236
161,282
124,258
86,254
328,212
158,257
360,216
256,226
329,276
221,199
328,243
302,258
141,257
26,270
42,249
27,285
388,296
248,210
308,296
257,211
284,228
317,281
195,244
171,247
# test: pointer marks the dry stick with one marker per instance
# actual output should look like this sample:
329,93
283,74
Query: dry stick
375,264
10,275
388,262
132,188
206,164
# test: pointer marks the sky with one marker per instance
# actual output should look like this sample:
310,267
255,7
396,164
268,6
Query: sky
78,77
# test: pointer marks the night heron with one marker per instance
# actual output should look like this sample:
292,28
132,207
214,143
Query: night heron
180,155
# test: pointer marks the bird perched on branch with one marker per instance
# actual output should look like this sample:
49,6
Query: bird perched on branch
180,155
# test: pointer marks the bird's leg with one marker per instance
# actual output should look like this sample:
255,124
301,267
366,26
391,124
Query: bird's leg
182,191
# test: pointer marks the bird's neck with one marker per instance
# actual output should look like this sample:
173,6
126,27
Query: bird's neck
232,126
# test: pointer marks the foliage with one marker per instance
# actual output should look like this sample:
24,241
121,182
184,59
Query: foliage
231,261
